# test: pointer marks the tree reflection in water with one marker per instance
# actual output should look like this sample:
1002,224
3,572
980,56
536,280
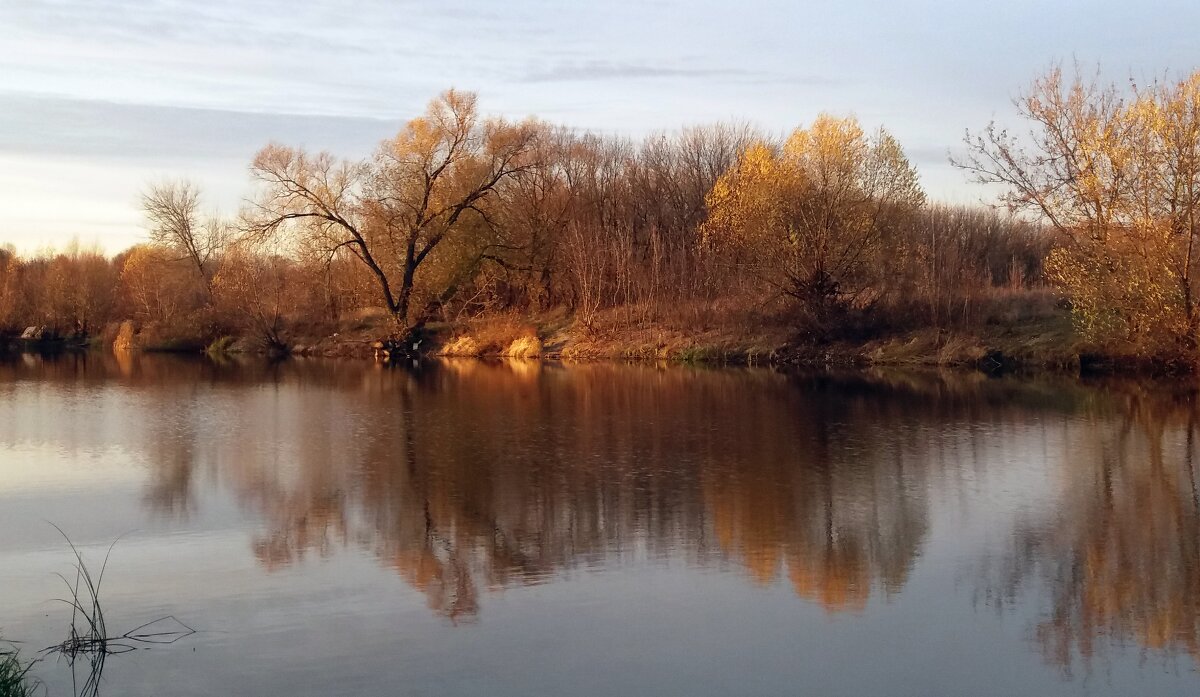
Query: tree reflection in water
1120,555
469,478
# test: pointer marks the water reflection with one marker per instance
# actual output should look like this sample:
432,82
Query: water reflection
1120,555
468,478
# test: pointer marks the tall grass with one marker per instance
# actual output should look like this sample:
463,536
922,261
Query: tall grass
89,639
15,680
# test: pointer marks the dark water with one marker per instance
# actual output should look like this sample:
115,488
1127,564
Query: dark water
343,529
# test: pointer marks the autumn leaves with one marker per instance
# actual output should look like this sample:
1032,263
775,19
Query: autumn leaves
1116,172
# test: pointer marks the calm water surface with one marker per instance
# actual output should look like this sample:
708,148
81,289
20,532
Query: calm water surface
336,528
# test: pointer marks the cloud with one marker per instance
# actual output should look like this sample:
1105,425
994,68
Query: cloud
74,168
64,127
265,24
597,70
928,155
376,59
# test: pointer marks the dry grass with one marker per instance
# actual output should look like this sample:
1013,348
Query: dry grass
363,319
1030,328
460,346
1027,327
688,332
123,337
89,640
524,347
501,335
1007,326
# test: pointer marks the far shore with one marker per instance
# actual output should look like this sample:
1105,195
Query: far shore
1046,342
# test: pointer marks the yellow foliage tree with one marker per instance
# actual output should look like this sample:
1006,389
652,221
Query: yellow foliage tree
1118,176
811,218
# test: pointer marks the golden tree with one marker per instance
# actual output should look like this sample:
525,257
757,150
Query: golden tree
811,218
78,289
1117,175
156,284
11,296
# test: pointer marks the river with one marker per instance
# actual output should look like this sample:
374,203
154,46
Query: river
471,528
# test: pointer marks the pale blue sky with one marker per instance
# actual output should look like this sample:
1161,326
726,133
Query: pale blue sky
100,97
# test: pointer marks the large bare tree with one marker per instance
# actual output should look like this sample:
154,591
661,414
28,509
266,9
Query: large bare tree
422,188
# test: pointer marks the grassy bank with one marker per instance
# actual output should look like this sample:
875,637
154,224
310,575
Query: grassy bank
1048,342
1014,331
1021,331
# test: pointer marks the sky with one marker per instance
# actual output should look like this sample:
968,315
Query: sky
101,98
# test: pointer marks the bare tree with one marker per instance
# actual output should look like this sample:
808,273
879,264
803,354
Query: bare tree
428,184
173,215
252,290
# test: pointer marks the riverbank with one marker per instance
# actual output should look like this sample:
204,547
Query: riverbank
1027,335
1045,343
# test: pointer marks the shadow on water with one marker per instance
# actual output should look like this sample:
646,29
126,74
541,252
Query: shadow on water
467,478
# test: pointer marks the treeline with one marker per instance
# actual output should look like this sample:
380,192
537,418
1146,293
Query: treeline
826,231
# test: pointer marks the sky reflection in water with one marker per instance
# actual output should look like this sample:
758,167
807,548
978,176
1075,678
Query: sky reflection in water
338,527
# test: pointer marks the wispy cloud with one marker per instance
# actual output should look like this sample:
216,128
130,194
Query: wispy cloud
599,70
65,127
